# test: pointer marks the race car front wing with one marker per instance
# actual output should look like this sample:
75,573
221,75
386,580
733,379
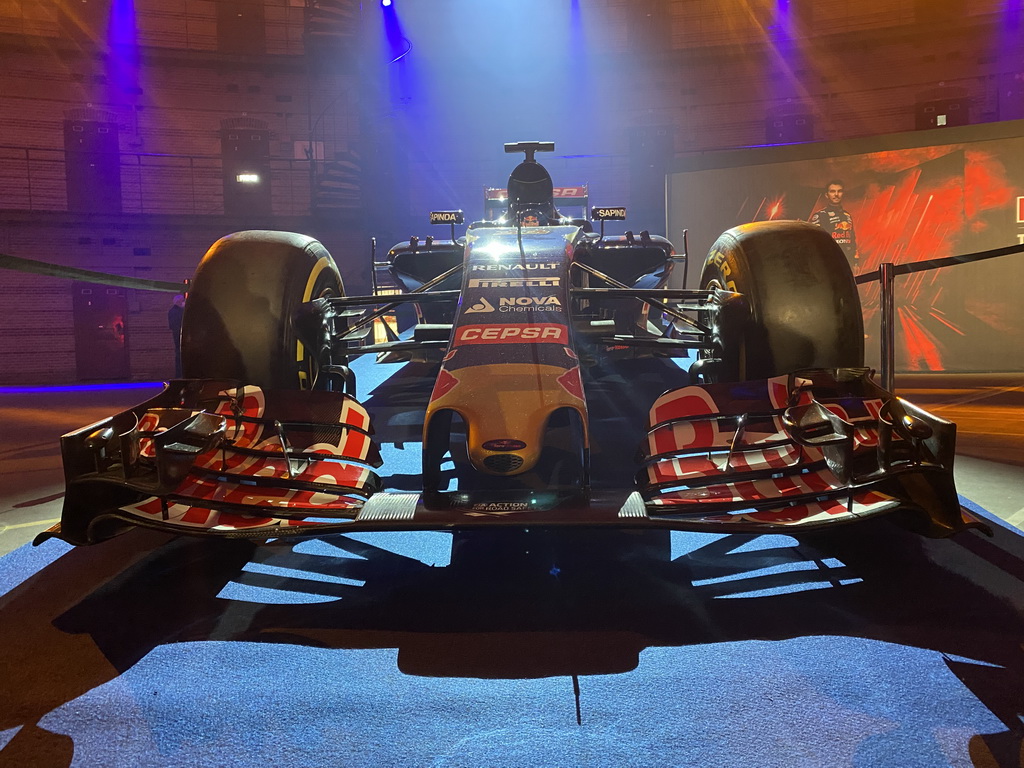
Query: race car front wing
800,452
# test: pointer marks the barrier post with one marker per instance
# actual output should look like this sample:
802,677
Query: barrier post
888,327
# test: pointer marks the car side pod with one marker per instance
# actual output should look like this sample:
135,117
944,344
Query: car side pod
813,449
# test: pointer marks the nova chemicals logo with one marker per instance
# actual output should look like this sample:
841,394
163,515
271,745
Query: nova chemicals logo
529,303
481,306
517,304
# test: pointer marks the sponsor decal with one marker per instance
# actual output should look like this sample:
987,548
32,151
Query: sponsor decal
571,383
514,267
570,191
517,304
516,282
719,260
528,301
530,304
443,384
506,227
501,506
608,214
446,217
541,333
1020,210
504,444
481,306
502,194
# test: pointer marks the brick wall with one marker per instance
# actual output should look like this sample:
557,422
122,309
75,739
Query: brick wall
710,70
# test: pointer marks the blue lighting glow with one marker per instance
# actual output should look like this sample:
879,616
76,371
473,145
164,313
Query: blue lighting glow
1014,11
398,44
513,70
123,61
80,388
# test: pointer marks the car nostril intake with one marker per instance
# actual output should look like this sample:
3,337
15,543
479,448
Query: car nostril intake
503,462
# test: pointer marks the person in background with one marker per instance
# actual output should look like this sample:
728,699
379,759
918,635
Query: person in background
837,220
174,317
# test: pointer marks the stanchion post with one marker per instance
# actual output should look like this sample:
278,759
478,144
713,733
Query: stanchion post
888,326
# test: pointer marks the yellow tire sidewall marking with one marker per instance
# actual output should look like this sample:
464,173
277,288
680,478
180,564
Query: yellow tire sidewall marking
307,295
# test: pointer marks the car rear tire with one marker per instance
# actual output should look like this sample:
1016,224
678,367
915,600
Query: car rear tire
239,316
802,309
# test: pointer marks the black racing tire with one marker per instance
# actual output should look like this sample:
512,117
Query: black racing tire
238,321
803,308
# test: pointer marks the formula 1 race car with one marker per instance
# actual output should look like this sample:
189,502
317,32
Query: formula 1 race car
775,424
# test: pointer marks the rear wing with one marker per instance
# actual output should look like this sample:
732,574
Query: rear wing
567,200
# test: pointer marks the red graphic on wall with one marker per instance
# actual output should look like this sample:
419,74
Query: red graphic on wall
909,206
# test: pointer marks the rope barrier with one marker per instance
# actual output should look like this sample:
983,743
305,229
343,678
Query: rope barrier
946,261
19,264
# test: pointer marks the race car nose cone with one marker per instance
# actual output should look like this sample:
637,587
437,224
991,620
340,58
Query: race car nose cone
504,444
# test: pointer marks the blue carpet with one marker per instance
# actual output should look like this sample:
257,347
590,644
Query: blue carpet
750,703
866,647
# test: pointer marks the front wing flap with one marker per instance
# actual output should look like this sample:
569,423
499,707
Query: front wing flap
808,450
209,456
797,452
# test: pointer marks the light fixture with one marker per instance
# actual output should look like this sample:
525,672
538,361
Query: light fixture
248,178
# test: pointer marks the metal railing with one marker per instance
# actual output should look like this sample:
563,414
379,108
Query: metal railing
885,275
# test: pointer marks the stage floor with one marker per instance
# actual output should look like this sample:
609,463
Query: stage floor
870,648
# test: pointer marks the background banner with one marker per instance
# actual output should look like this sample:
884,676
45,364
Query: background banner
905,204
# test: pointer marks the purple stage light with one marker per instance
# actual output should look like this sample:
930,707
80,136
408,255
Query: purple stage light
398,44
107,387
123,62
1014,11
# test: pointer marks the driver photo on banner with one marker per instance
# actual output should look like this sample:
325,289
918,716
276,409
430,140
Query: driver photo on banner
834,218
